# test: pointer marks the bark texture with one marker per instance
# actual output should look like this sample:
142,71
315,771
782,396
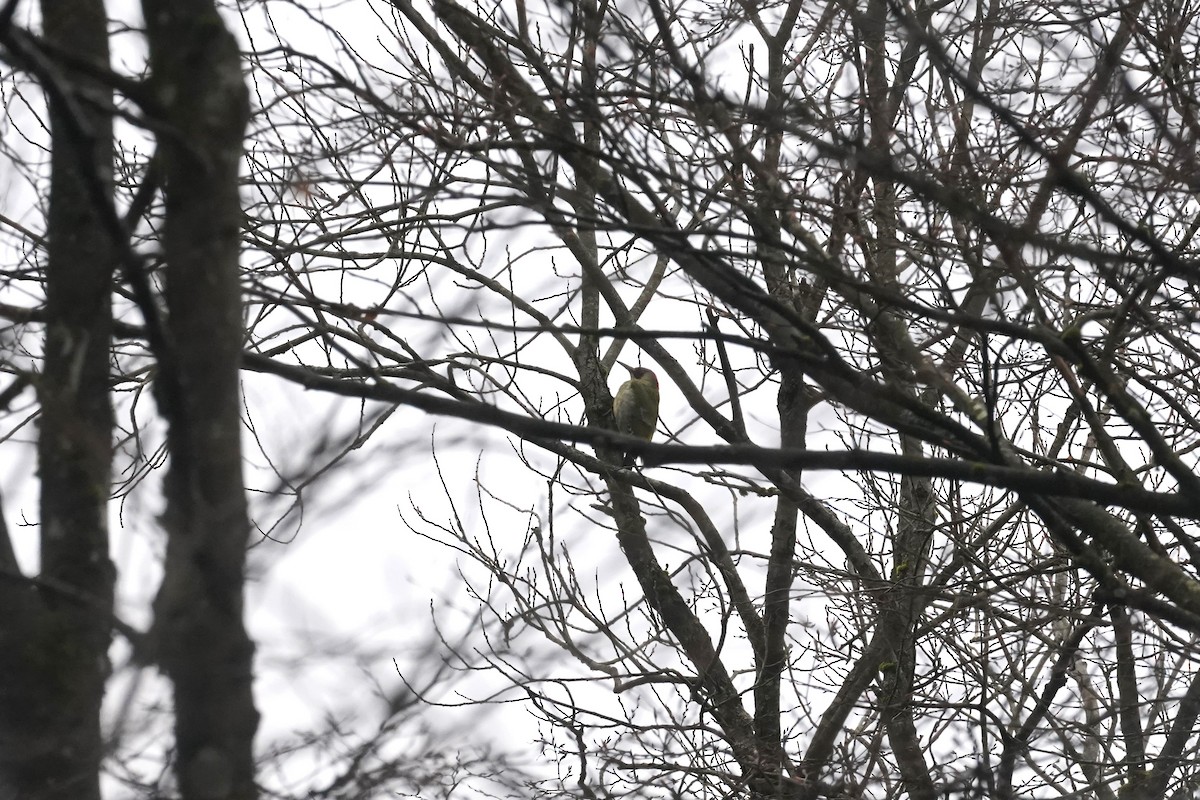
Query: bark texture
55,631
199,629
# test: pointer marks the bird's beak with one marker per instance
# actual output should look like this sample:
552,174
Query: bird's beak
626,366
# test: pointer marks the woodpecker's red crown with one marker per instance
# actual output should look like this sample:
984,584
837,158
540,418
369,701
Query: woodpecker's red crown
638,373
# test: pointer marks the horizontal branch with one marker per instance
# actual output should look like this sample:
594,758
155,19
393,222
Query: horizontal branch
1059,483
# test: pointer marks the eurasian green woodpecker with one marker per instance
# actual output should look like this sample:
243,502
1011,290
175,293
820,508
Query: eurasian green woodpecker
635,406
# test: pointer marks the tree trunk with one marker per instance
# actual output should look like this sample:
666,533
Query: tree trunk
202,640
55,633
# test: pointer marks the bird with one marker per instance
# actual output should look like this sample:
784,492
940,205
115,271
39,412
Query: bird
635,406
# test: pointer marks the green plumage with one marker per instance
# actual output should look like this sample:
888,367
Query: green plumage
635,406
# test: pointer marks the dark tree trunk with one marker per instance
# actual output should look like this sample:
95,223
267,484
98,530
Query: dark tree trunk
199,628
55,632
